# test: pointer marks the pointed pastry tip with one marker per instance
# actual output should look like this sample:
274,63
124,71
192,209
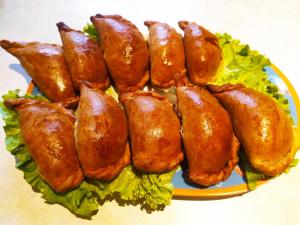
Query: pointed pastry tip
149,23
63,27
5,44
183,24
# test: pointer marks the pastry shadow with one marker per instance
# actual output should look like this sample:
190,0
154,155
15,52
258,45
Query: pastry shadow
19,69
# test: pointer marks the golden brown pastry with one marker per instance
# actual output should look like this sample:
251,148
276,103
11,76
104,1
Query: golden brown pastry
48,131
210,144
202,52
125,51
166,54
46,65
154,131
83,58
101,135
264,130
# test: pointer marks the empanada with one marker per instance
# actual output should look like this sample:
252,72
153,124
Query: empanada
48,132
264,130
46,65
166,54
210,145
154,131
101,135
83,58
202,52
125,51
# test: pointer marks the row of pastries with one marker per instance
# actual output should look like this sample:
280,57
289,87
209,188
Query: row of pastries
104,135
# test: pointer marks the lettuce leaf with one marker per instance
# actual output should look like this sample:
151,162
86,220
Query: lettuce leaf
132,187
90,30
252,175
151,191
240,64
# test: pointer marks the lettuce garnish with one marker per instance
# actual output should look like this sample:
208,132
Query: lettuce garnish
245,66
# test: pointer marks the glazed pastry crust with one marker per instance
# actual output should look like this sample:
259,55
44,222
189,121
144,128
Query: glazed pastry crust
101,135
202,52
48,131
154,131
166,54
125,51
46,65
210,145
263,129
83,58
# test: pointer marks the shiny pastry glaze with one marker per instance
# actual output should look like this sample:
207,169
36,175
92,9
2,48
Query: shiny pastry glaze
48,131
263,129
101,135
166,54
154,131
83,58
125,51
202,52
46,65
210,145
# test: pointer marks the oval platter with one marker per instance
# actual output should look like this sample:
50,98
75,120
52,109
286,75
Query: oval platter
236,183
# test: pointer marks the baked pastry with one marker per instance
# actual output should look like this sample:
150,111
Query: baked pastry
101,134
166,54
202,52
46,65
210,145
264,130
48,131
83,58
125,51
154,131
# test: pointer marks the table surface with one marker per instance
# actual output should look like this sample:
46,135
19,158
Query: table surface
272,27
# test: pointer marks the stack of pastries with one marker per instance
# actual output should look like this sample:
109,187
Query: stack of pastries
205,124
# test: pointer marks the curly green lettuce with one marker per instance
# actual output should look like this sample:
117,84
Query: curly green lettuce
91,31
151,191
240,64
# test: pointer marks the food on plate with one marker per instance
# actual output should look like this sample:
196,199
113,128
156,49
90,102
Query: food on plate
125,51
264,130
83,57
166,54
154,131
202,52
151,190
46,65
48,131
101,134
210,145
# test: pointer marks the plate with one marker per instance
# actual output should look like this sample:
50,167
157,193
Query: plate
236,183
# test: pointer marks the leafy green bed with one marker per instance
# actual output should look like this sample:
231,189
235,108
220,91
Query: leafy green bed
151,191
